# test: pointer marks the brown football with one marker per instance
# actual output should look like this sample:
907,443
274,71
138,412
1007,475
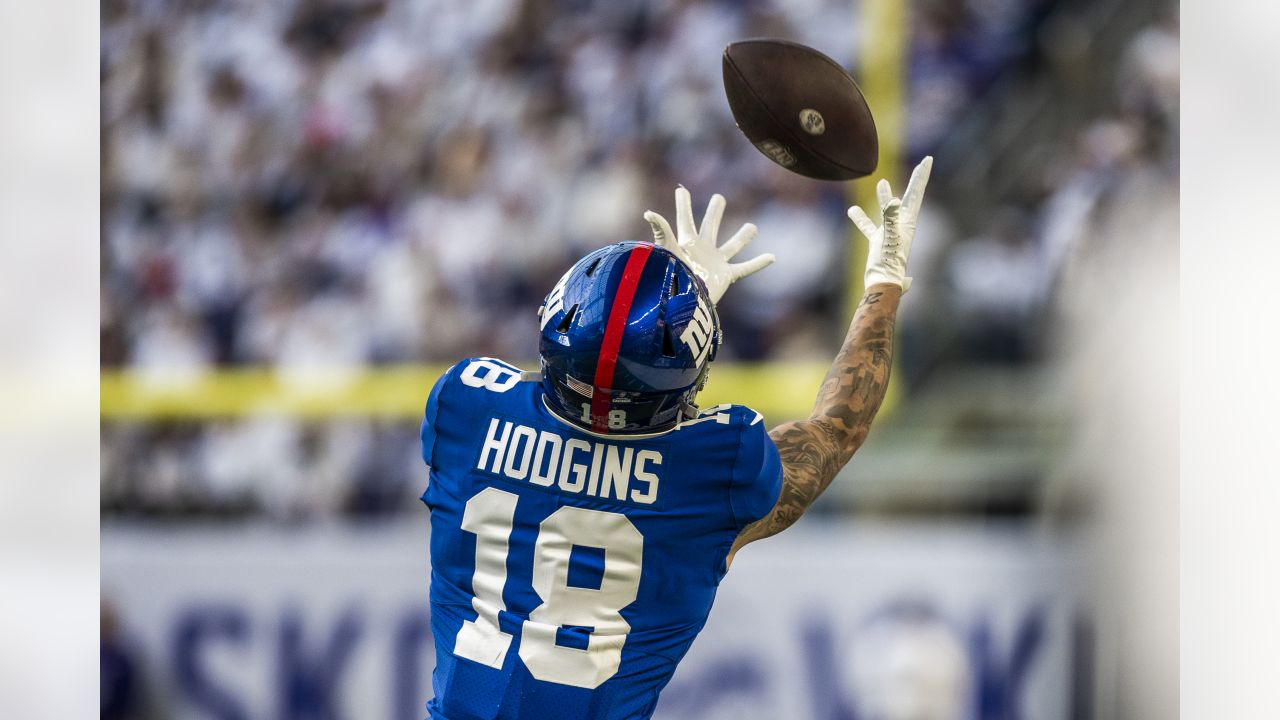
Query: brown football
801,109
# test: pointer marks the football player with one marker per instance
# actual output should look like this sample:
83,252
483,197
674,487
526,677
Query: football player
582,517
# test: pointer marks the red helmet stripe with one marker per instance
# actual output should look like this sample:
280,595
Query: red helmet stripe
600,400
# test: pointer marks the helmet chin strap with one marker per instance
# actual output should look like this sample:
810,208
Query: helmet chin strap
688,411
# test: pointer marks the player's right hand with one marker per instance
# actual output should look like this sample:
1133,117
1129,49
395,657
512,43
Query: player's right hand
890,244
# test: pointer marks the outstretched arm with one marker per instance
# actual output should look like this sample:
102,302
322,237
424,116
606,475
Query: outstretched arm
813,450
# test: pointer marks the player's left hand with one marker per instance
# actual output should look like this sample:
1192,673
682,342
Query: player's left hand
697,246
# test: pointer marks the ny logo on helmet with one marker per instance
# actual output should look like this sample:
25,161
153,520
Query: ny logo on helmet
555,300
698,334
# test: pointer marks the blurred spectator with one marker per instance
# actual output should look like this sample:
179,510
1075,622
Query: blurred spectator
996,278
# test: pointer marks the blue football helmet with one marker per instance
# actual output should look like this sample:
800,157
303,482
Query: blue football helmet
628,335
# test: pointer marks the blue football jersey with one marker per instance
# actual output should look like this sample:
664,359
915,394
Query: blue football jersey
570,571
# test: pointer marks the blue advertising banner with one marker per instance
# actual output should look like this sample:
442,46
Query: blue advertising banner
825,622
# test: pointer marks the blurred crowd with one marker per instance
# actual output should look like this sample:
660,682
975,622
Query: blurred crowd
335,183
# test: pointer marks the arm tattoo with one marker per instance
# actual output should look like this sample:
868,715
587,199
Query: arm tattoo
814,450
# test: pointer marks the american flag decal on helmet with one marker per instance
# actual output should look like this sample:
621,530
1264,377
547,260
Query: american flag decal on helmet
579,387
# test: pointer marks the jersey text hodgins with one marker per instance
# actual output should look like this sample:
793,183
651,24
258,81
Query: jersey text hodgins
598,469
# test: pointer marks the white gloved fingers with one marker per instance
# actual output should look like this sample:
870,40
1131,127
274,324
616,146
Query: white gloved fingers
864,223
711,221
883,193
914,195
892,229
892,210
662,234
696,246
734,245
686,232
892,237
754,265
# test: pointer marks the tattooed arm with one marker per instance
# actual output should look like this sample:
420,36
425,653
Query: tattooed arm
815,449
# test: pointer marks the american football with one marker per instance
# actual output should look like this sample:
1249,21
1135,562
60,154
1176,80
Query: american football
801,109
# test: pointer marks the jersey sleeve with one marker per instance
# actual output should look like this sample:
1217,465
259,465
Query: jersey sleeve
757,479
431,415
458,394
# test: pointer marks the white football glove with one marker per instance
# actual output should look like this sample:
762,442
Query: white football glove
697,247
890,244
